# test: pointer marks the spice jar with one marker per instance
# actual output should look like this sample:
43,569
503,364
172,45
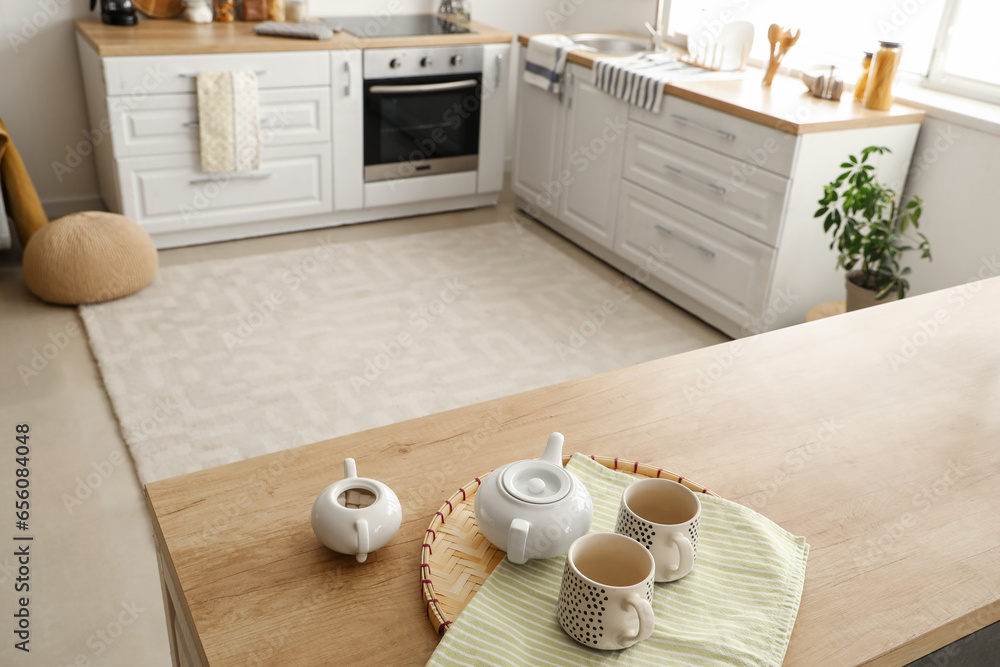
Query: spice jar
225,11
296,11
276,10
254,10
862,84
878,94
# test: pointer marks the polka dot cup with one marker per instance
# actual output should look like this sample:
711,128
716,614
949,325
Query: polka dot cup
662,516
607,592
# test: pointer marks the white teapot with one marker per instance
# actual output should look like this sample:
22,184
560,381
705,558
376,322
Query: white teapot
356,515
534,508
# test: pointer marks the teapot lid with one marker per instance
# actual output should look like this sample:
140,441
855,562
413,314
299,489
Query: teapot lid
536,482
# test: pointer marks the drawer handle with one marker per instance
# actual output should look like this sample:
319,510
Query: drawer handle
711,186
265,123
704,128
222,178
194,75
699,248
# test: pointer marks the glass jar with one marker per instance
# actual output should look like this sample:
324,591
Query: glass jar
878,94
225,11
296,11
862,84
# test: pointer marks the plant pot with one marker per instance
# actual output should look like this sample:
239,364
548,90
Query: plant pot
859,297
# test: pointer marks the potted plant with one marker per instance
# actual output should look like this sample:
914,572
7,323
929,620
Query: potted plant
871,228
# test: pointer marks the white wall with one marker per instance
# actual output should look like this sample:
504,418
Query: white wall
954,172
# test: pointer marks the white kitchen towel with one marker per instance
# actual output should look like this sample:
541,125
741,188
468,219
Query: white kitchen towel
640,79
545,61
228,121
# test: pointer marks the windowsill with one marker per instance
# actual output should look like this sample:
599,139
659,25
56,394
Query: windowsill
974,114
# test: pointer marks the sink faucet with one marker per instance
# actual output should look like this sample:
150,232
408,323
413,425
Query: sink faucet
656,29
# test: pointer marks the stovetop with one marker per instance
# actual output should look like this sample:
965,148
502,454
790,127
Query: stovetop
398,25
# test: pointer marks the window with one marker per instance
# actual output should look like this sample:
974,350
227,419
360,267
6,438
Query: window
967,61
952,43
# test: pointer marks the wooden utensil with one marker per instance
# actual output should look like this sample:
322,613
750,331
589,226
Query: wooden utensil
781,39
159,9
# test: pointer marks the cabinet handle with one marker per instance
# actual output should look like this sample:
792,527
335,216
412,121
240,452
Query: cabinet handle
571,80
704,128
347,85
711,186
250,176
194,75
699,248
264,123
496,82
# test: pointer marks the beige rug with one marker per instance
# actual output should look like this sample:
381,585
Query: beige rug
219,361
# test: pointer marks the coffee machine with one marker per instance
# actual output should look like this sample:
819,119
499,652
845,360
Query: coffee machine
116,12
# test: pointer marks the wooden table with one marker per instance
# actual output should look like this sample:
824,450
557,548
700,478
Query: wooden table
874,434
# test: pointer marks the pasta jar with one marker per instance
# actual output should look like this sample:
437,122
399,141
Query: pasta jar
225,11
862,84
878,94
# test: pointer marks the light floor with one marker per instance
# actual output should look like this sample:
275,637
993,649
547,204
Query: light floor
95,592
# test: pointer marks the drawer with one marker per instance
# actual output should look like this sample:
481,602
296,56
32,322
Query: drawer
723,269
165,124
139,76
169,192
710,183
763,147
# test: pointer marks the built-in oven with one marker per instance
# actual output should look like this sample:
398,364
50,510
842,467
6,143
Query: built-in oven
421,111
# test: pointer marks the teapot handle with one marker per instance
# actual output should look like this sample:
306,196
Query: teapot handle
350,468
362,527
517,541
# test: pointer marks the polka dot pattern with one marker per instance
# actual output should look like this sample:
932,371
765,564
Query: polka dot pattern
583,611
643,532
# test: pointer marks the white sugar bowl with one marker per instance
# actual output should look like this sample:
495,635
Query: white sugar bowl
356,515
534,508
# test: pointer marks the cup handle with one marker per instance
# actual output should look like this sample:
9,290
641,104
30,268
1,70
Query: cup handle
686,551
362,527
646,619
517,541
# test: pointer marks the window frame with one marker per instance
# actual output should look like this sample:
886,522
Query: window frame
939,79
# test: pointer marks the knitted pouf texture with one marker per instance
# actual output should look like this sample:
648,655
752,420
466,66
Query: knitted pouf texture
89,257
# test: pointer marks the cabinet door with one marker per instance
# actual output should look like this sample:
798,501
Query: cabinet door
348,131
538,139
492,128
593,145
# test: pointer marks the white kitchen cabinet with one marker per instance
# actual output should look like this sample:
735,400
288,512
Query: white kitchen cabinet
593,144
569,153
493,114
347,94
538,141
711,210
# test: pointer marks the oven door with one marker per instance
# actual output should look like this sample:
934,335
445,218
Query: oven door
421,126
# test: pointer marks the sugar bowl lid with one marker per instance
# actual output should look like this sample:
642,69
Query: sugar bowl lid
536,482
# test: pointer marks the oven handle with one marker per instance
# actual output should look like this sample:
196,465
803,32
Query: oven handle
423,87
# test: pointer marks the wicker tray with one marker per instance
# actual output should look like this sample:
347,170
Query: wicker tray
456,558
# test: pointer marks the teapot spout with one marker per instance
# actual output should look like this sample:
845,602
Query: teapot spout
350,468
553,449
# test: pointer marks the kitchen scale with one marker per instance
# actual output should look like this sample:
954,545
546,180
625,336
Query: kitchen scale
398,25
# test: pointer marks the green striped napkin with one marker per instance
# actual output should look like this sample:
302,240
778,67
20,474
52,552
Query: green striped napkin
737,607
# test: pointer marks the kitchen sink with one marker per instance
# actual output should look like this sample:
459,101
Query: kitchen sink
610,44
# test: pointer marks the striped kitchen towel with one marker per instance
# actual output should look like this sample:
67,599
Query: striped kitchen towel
545,61
228,121
737,607
640,79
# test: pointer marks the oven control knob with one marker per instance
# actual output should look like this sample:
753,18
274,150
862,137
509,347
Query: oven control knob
426,62
395,63
456,60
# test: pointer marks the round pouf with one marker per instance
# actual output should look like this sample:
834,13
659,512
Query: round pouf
89,257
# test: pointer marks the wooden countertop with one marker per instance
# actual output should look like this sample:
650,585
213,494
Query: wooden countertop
786,105
874,434
153,37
